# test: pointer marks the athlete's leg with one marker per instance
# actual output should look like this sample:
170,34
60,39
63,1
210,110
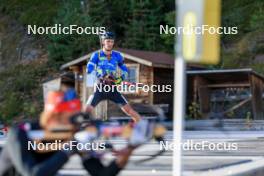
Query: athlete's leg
93,100
119,99
131,112
89,107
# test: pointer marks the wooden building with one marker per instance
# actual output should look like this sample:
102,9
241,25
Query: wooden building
148,68
215,92
220,93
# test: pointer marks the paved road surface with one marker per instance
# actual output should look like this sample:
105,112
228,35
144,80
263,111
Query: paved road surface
249,156
248,159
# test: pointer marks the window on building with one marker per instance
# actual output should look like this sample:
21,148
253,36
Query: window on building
133,73
132,77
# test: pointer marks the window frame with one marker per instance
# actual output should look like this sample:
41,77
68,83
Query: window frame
129,65
137,70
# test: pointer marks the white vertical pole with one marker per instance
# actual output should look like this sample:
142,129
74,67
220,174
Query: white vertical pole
178,113
178,102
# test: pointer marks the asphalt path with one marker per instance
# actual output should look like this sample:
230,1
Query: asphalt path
246,158
248,153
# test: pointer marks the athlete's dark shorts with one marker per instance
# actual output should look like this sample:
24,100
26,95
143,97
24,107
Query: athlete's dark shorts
101,94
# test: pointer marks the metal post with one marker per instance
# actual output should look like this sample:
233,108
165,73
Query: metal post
178,100
178,113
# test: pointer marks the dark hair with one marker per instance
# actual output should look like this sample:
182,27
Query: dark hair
68,79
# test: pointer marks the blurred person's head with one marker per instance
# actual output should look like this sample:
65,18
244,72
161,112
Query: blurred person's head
108,41
59,107
67,81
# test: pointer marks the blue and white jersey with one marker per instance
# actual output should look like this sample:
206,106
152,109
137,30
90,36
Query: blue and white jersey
107,66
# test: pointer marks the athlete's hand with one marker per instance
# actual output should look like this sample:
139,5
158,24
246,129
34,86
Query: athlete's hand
118,81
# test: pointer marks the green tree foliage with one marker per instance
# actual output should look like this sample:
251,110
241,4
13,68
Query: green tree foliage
257,18
36,12
241,50
101,12
244,14
169,39
136,24
21,91
64,47
142,29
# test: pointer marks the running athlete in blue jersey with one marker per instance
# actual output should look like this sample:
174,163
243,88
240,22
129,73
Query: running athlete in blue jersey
105,63
107,66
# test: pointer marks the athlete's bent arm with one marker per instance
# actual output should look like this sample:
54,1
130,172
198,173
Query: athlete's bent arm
123,68
92,63
25,162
